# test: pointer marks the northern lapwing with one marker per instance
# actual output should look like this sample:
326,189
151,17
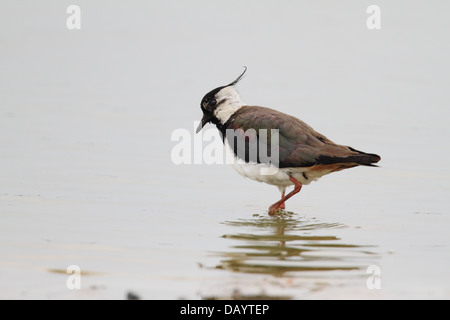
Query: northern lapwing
304,155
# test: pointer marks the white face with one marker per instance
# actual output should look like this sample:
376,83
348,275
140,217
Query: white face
228,102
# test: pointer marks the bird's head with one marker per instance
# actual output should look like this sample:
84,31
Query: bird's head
219,104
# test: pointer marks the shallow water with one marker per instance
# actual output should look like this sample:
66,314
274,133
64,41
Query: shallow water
87,177
285,249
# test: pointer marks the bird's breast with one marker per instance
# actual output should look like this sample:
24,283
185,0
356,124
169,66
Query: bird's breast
263,172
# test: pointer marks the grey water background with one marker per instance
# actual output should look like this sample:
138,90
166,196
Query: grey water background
86,118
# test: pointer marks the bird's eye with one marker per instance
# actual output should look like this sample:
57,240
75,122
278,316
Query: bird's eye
212,103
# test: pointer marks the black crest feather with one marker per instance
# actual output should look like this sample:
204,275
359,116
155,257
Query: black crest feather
238,78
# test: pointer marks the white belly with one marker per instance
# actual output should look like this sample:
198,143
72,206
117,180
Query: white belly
269,173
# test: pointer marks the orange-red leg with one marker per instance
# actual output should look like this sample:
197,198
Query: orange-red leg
273,209
282,206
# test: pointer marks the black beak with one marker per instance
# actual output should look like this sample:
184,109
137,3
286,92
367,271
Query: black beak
203,122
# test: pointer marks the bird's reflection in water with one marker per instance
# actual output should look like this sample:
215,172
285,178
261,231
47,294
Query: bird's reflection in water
290,247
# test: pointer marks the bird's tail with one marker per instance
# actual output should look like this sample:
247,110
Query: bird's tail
349,156
363,158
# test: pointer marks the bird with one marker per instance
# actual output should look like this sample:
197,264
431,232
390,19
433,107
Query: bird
301,154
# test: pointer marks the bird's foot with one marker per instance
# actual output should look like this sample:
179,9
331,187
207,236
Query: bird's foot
276,208
279,206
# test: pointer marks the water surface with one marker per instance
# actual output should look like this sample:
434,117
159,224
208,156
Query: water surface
86,118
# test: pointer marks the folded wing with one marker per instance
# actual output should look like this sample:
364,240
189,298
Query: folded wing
299,144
